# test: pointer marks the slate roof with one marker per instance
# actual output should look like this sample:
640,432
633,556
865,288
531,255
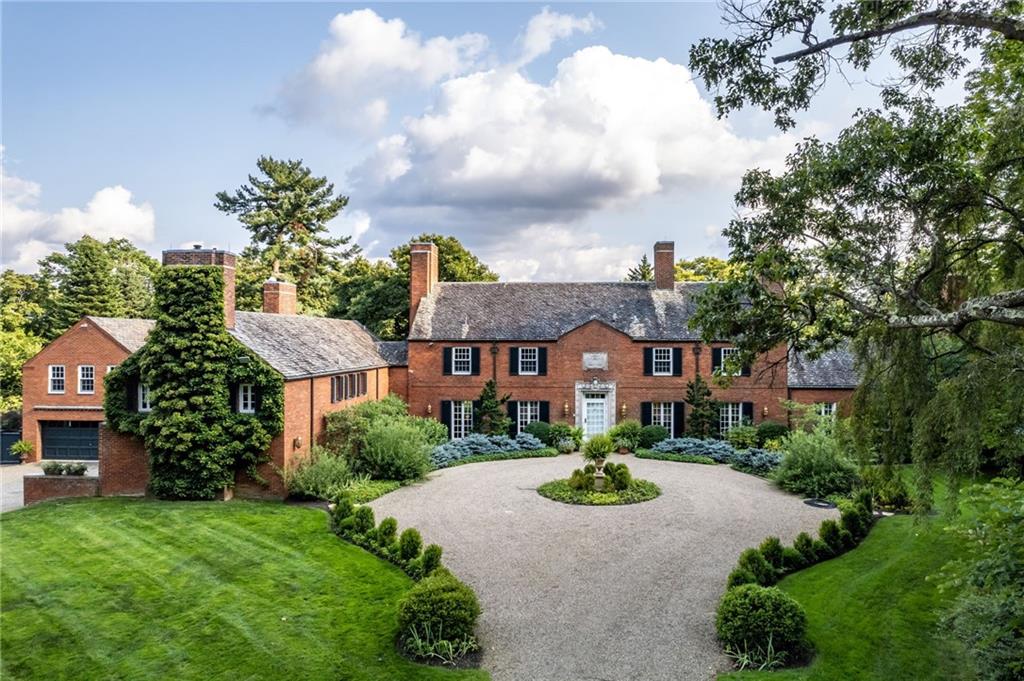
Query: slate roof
299,346
395,352
545,311
131,333
834,369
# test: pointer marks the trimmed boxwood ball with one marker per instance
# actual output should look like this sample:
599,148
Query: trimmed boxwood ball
792,559
753,562
540,430
822,550
410,544
363,520
829,533
431,559
738,577
751,616
652,435
852,521
387,531
771,549
440,606
805,545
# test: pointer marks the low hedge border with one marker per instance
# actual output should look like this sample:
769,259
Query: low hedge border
502,456
637,492
668,456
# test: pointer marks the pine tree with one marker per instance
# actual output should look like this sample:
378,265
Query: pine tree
642,272
703,410
489,417
88,286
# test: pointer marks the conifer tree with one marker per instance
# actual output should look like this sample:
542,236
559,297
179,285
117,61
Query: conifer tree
644,271
703,419
88,286
489,416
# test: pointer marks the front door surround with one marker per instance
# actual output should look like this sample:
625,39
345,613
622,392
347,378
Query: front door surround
595,406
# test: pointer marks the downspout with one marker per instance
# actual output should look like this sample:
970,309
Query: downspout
311,414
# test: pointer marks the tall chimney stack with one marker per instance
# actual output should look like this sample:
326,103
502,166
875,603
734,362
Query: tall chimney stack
279,297
423,271
665,265
197,255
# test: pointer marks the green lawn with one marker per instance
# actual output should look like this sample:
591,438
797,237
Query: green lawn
871,612
134,589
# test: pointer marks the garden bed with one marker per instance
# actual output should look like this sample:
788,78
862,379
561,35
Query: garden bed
637,492
503,456
669,456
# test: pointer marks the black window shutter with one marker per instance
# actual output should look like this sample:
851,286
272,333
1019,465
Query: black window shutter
233,396
447,359
746,371
545,412
645,413
716,360
133,395
446,416
677,361
513,413
475,352
476,410
678,419
648,361
542,363
748,412
513,361
257,399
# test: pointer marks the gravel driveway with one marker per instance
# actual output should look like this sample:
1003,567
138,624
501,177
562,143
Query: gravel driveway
609,593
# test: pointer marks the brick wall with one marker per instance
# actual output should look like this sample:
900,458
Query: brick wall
42,487
844,398
124,464
83,344
398,381
279,297
428,386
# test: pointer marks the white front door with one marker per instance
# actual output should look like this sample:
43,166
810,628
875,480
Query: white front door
594,418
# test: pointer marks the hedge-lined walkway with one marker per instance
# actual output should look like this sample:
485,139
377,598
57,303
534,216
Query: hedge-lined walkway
138,589
582,592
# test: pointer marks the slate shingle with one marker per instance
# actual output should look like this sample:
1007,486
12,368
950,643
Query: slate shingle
834,369
131,333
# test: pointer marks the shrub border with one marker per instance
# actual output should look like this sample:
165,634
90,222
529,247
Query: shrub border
677,458
584,497
546,452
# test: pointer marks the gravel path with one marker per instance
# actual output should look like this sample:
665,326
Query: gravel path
598,593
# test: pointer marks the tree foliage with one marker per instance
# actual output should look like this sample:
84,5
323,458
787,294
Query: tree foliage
454,261
703,418
489,415
19,310
643,271
190,363
703,268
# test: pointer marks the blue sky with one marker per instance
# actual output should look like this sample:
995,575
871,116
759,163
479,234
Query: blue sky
558,141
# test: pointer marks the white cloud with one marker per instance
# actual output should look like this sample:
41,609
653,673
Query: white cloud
365,59
28,233
545,28
555,252
354,223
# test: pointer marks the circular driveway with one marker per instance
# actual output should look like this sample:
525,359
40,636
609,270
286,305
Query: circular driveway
607,593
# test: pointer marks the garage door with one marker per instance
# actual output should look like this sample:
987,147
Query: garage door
70,439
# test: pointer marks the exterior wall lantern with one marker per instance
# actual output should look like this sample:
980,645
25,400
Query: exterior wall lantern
623,410
430,408
565,409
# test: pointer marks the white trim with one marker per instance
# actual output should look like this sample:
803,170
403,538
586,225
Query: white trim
659,419
525,417
145,399
52,377
827,409
457,357
730,415
246,399
655,360
721,369
461,418
535,360
600,400
81,378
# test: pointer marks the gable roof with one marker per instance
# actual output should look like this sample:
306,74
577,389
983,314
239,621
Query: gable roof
834,369
495,311
131,333
298,346
396,353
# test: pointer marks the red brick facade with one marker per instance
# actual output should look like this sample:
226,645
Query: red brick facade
124,465
43,487
84,344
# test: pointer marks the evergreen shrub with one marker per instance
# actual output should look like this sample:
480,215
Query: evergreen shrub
757,621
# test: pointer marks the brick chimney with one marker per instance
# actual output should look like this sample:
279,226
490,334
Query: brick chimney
665,265
197,255
423,271
278,297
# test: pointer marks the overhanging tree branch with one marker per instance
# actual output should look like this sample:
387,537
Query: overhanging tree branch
1010,28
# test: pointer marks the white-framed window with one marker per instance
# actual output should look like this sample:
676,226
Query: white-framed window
662,361
827,408
528,363
526,413
462,418
730,415
661,415
724,370
246,399
111,367
144,402
462,361
56,384
86,379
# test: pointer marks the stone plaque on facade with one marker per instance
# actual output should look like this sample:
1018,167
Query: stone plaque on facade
595,360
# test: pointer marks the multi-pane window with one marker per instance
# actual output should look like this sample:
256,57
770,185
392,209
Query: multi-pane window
86,379
348,386
725,370
462,419
528,361
827,408
56,378
526,413
730,415
661,415
246,399
462,361
662,361
144,400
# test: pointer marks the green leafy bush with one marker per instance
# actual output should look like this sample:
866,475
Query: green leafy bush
581,480
804,543
814,464
792,559
755,621
364,522
410,544
52,468
618,475
317,475
440,604
75,469
738,577
652,435
566,445
822,550
829,532
754,562
886,486
347,428
597,447
22,449
626,434
430,560
560,431
433,431
540,430
394,451
770,430
671,456
387,531
638,491
742,437
771,549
